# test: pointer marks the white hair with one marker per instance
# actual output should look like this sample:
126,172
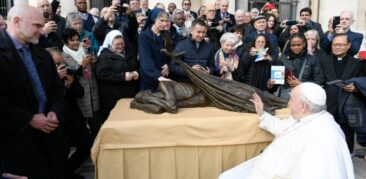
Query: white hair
229,37
350,12
72,17
239,11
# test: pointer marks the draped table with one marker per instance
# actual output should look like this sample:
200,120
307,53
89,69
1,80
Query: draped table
195,143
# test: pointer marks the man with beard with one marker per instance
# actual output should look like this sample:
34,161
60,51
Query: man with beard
31,99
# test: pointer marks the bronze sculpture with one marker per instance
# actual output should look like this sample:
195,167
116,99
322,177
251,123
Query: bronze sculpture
208,90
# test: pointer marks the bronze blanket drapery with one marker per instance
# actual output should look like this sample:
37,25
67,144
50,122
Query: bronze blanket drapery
224,94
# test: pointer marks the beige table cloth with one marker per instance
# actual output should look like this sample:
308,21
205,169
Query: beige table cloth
195,143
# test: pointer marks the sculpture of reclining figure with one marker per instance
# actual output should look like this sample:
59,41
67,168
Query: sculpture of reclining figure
205,90
171,95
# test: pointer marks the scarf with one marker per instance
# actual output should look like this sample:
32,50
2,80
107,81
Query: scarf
76,55
109,39
231,61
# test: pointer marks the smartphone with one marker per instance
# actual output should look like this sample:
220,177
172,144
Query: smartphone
121,9
336,21
291,22
289,74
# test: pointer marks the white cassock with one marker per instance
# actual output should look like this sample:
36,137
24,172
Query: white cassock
310,148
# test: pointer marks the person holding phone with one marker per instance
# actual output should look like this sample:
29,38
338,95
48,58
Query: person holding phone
75,58
87,39
199,54
299,66
257,73
285,35
224,17
344,27
53,28
308,24
260,27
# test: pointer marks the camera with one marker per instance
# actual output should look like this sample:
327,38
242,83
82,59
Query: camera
69,70
291,22
215,24
121,9
336,21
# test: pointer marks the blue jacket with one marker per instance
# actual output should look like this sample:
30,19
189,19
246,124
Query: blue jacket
151,59
204,56
354,37
272,39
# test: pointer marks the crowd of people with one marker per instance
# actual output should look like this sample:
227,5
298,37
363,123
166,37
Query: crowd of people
64,75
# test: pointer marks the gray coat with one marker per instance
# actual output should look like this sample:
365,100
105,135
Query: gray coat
90,102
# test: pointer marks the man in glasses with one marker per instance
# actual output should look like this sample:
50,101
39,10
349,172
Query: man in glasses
340,65
346,20
186,5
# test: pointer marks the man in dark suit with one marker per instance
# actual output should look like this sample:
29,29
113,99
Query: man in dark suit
186,5
225,18
31,99
346,20
341,66
305,16
54,26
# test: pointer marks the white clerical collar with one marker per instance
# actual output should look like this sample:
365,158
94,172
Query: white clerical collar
339,58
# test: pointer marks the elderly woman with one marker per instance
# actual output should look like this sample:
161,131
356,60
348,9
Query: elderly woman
226,59
89,43
313,40
80,63
153,62
116,71
255,64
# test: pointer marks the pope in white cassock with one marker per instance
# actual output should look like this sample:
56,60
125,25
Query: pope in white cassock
308,145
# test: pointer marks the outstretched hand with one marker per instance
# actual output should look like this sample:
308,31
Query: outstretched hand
258,104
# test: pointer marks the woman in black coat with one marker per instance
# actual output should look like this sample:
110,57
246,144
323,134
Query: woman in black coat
255,65
299,66
116,72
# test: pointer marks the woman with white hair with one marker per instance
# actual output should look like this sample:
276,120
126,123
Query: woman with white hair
226,59
116,71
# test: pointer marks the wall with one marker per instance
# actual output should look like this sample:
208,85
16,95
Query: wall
195,4
66,5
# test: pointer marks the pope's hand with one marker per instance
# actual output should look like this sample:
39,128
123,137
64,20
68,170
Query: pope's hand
258,104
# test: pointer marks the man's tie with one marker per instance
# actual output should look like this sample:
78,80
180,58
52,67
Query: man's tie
36,82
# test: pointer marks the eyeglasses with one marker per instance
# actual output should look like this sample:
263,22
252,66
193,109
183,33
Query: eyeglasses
187,4
339,45
211,11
